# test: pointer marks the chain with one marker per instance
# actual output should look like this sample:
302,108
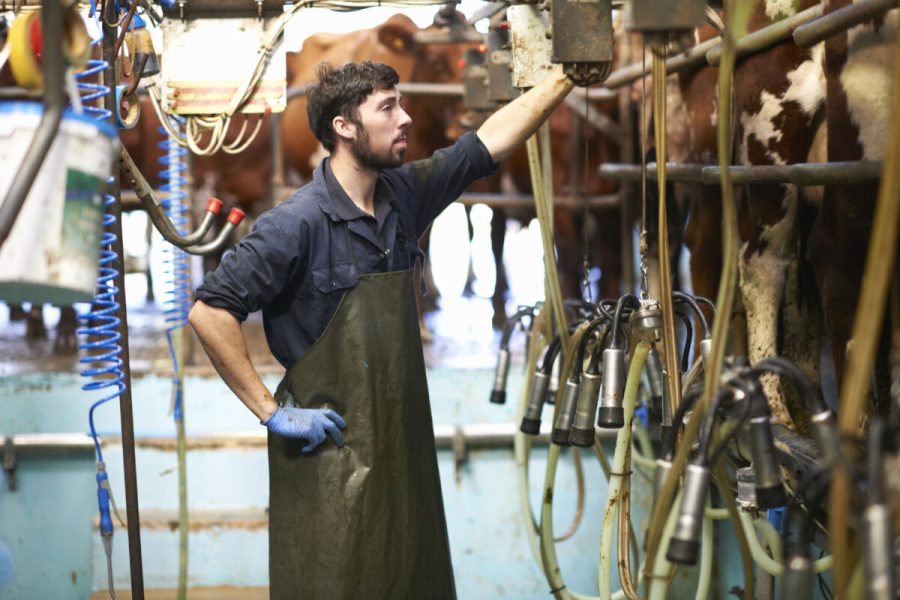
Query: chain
586,259
644,246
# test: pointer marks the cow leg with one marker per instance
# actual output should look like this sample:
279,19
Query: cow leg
429,302
34,323
501,286
606,232
764,264
468,292
800,335
66,338
568,256
844,222
703,237
858,66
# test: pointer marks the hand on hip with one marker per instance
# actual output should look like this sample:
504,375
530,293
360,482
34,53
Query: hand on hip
310,424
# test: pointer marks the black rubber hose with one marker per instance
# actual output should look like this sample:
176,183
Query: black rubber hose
784,367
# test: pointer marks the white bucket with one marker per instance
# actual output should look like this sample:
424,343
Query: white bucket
52,251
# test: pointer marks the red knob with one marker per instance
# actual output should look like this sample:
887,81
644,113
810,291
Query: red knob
213,205
37,38
236,216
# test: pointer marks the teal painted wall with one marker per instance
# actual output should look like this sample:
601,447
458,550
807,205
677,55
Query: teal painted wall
48,522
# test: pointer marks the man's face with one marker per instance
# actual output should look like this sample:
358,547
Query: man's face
381,132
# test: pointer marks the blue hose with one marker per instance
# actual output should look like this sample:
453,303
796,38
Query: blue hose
100,323
176,307
178,296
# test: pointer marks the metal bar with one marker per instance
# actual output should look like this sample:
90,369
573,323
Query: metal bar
452,36
594,93
836,172
749,174
125,404
527,201
277,155
802,174
807,27
54,103
154,209
674,171
410,89
691,57
768,36
475,435
814,32
432,89
52,443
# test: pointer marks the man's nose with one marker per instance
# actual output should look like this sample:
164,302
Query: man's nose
405,119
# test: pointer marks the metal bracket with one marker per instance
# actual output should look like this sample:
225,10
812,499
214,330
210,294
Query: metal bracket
9,463
459,451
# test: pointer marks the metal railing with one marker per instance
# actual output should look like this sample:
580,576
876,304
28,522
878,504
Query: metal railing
802,174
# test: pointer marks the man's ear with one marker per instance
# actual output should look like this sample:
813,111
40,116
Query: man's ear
344,128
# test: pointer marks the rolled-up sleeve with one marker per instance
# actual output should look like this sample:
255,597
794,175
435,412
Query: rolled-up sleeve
436,182
253,273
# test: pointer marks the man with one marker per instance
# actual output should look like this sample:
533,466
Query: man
331,270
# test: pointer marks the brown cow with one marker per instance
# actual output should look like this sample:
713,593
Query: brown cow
776,95
780,111
858,67
435,119
394,44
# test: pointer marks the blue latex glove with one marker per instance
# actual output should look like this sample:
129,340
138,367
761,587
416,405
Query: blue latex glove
310,424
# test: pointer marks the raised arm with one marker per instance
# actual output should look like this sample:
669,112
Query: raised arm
510,126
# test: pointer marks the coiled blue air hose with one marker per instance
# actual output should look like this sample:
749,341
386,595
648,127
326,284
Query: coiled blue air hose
178,297
101,323
177,305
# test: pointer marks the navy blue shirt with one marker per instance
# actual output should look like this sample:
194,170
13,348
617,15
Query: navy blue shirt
301,256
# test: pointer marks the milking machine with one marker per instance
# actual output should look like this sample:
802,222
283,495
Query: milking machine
721,456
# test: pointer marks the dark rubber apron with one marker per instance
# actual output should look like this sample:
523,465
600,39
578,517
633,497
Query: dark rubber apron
365,521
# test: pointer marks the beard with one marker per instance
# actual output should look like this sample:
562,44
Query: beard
362,151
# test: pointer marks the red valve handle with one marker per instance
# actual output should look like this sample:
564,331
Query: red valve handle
37,38
236,216
213,205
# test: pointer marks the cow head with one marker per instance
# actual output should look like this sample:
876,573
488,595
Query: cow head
393,43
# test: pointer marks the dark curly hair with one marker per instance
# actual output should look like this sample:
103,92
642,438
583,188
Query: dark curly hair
341,91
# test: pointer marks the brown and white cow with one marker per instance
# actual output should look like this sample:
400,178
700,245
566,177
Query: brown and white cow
795,248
